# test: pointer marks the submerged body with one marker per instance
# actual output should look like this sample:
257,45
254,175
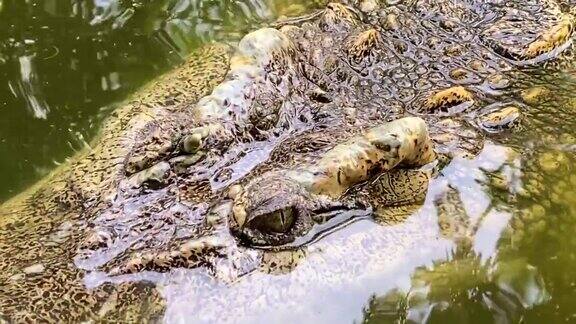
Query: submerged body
238,165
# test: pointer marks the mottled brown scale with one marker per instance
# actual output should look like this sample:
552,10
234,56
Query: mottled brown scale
458,73
552,38
502,119
93,177
337,13
550,31
444,99
362,44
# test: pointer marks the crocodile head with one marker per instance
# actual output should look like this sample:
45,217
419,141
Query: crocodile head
299,133
281,205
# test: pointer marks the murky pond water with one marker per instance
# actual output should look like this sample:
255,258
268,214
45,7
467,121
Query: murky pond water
64,66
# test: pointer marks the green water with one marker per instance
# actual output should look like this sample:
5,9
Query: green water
528,276
64,64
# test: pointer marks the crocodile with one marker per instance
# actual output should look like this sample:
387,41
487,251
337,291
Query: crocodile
245,157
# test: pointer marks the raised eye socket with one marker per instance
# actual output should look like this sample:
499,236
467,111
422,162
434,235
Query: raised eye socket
279,221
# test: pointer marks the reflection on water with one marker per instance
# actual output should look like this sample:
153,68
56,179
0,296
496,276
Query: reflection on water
63,65
28,88
526,279
331,279
529,276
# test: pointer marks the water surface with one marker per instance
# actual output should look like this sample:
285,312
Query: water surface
64,64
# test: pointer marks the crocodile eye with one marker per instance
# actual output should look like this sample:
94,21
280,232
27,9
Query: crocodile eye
279,221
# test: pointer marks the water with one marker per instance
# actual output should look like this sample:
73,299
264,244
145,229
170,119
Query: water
519,268
64,65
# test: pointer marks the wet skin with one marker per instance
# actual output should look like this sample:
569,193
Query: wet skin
348,111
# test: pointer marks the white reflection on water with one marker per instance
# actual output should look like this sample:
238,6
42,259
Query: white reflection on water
468,177
522,280
340,272
489,232
28,87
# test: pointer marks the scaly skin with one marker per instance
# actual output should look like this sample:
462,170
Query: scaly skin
42,227
300,112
